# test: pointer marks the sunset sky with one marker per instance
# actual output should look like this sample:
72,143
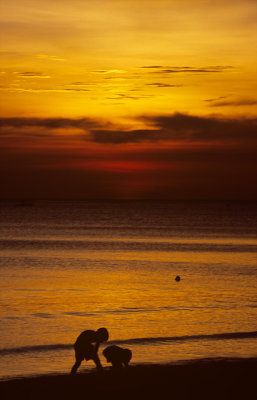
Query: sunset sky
128,99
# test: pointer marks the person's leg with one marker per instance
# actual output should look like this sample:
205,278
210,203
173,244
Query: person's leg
97,362
79,359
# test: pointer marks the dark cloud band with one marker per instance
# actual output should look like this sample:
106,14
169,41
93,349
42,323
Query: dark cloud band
176,127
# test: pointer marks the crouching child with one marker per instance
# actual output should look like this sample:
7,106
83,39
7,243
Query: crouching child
117,356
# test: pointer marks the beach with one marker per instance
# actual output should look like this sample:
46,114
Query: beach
70,266
203,379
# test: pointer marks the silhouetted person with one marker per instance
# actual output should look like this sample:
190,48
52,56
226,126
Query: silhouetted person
86,347
117,356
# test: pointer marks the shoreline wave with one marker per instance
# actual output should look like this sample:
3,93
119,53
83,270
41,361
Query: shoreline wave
137,341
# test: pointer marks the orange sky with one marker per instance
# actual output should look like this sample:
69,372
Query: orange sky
128,99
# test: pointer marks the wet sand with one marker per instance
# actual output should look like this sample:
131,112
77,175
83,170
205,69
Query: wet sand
209,379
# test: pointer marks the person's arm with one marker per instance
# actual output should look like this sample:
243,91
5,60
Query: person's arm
97,344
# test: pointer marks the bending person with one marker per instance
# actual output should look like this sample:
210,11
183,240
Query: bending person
86,347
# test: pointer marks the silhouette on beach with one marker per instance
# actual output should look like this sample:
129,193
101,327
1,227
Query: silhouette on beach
86,347
117,356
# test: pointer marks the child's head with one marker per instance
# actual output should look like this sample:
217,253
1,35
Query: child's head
102,334
127,355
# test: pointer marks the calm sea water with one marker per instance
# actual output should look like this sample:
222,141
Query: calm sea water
69,266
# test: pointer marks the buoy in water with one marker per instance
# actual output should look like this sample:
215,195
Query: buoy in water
177,279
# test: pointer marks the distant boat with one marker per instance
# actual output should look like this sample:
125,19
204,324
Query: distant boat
177,278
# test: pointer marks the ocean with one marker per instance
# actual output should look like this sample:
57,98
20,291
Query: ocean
68,266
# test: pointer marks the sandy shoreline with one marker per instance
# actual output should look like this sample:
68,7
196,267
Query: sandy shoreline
203,379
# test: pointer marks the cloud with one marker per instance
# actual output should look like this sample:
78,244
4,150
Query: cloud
163,85
32,74
152,66
216,99
109,71
34,90
240,102
163,128
184,129
48,123
121,96
124,137
174,156
74,90
175,70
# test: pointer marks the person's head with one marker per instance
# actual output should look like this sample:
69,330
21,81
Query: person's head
102,334
127,355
